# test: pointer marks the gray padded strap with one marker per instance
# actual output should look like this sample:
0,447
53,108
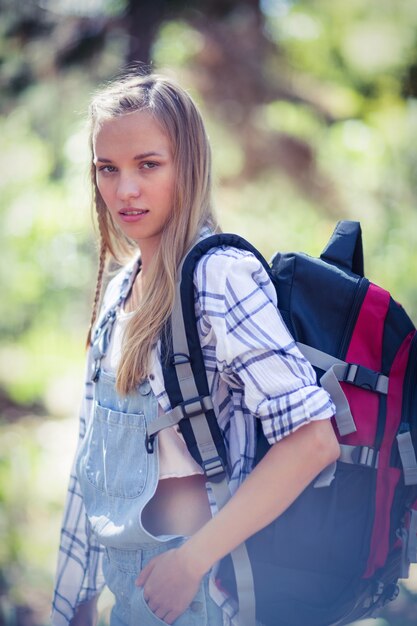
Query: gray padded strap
319,359
164,421
337,370
334,371
408,457
189,391
330,382
174,416
351,373
241,565
208,451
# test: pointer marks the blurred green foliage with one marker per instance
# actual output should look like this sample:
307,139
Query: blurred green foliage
312,112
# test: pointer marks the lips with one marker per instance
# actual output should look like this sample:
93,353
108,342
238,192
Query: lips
133,211
130,215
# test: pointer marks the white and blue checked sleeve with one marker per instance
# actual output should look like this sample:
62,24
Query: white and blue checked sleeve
254,350
79,573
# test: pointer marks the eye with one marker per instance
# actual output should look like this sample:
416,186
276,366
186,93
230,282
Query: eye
150,165
106,169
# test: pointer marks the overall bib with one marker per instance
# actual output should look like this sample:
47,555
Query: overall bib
118,477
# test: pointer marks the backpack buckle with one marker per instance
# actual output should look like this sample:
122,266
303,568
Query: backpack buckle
361,376
195,406
214,469
359,455
150,443
180,358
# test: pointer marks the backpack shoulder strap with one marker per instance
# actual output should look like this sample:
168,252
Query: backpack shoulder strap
187,267
182,359
345,247
187,387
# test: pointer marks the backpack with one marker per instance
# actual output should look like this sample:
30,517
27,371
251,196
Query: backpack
336,554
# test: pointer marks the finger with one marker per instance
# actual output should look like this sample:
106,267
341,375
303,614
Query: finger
170,617
141,579
157,609
150,598
160,612
143,575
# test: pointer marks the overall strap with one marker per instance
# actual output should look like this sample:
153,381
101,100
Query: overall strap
101,337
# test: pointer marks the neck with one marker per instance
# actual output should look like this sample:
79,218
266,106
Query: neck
135,296
148,249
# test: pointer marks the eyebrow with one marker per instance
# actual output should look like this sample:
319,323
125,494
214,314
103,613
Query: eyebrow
138,157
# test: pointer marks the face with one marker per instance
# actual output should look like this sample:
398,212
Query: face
135,176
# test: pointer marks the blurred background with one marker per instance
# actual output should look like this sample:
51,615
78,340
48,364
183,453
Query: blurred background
311,106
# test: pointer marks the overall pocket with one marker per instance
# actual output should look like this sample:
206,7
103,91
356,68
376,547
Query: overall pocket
115,460
195,615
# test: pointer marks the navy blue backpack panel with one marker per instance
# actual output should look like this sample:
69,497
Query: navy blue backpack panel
336,554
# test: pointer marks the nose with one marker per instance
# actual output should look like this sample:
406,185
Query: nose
128,187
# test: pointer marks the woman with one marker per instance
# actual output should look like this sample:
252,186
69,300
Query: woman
141,523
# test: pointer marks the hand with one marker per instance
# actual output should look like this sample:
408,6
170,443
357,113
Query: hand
170,583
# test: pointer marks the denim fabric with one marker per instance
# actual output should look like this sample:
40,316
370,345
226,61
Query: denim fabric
118,477
121,568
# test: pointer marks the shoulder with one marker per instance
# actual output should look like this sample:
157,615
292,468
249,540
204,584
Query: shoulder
226,269
227,262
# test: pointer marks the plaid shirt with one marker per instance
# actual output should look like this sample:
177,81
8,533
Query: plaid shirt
254,369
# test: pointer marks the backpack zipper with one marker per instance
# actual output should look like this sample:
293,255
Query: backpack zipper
361,289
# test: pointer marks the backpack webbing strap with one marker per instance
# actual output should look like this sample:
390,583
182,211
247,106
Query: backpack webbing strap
337,371
344,418
354,455
334,369
181,411
408,457
352,373
208,451
195,407
211,457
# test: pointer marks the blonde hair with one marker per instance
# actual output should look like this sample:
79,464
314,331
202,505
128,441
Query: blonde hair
175,110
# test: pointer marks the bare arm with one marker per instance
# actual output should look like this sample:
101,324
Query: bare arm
285,471
171,581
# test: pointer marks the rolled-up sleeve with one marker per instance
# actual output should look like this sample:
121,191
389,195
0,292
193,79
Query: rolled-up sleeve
254,350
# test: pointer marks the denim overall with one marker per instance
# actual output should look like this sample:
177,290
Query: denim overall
118,477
